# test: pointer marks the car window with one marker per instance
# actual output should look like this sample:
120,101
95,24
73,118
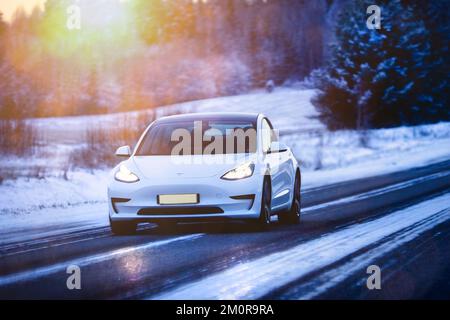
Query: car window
273,134
266,135
214,136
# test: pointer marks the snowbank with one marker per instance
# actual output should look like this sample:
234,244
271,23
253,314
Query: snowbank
26,196
324,150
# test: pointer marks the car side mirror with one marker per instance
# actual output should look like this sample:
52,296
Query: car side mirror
124,151
277,146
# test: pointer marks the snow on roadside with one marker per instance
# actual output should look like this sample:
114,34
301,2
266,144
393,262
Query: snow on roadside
328,157
36,208
26,196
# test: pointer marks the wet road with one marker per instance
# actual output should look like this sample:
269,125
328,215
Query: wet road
398,221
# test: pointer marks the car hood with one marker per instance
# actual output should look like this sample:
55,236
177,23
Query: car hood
196,166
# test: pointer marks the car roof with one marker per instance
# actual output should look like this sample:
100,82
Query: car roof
235,116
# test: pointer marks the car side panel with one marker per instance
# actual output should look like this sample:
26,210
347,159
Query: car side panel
284,181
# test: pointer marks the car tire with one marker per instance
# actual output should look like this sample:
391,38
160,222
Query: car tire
293,216
263,221
122,227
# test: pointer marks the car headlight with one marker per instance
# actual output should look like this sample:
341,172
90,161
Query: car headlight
125,175
243,171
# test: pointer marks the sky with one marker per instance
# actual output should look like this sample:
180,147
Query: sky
8,7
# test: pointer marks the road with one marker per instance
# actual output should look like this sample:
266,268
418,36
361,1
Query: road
399,222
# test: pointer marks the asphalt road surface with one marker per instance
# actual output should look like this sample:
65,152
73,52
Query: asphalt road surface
399,222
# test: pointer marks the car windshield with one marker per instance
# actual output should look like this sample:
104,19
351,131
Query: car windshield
205,137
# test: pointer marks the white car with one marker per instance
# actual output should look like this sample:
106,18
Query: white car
205,167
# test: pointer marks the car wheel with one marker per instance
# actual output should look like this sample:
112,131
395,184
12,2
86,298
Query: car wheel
294,214
122,227
266,209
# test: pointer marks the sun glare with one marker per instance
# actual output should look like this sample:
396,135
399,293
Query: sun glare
9,7
85,27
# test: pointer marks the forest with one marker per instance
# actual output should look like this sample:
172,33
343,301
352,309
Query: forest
397,75
136,54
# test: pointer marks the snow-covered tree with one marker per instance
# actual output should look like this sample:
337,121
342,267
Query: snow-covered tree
437,20
379,77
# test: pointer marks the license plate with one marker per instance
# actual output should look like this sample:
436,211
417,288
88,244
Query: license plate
188,198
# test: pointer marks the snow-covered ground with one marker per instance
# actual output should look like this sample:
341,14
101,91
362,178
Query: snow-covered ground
328,157
289,109
79,197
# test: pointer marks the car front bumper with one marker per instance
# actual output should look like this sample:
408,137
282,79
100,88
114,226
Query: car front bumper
224,199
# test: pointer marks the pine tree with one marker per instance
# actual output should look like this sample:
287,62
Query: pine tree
437,20
378,78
